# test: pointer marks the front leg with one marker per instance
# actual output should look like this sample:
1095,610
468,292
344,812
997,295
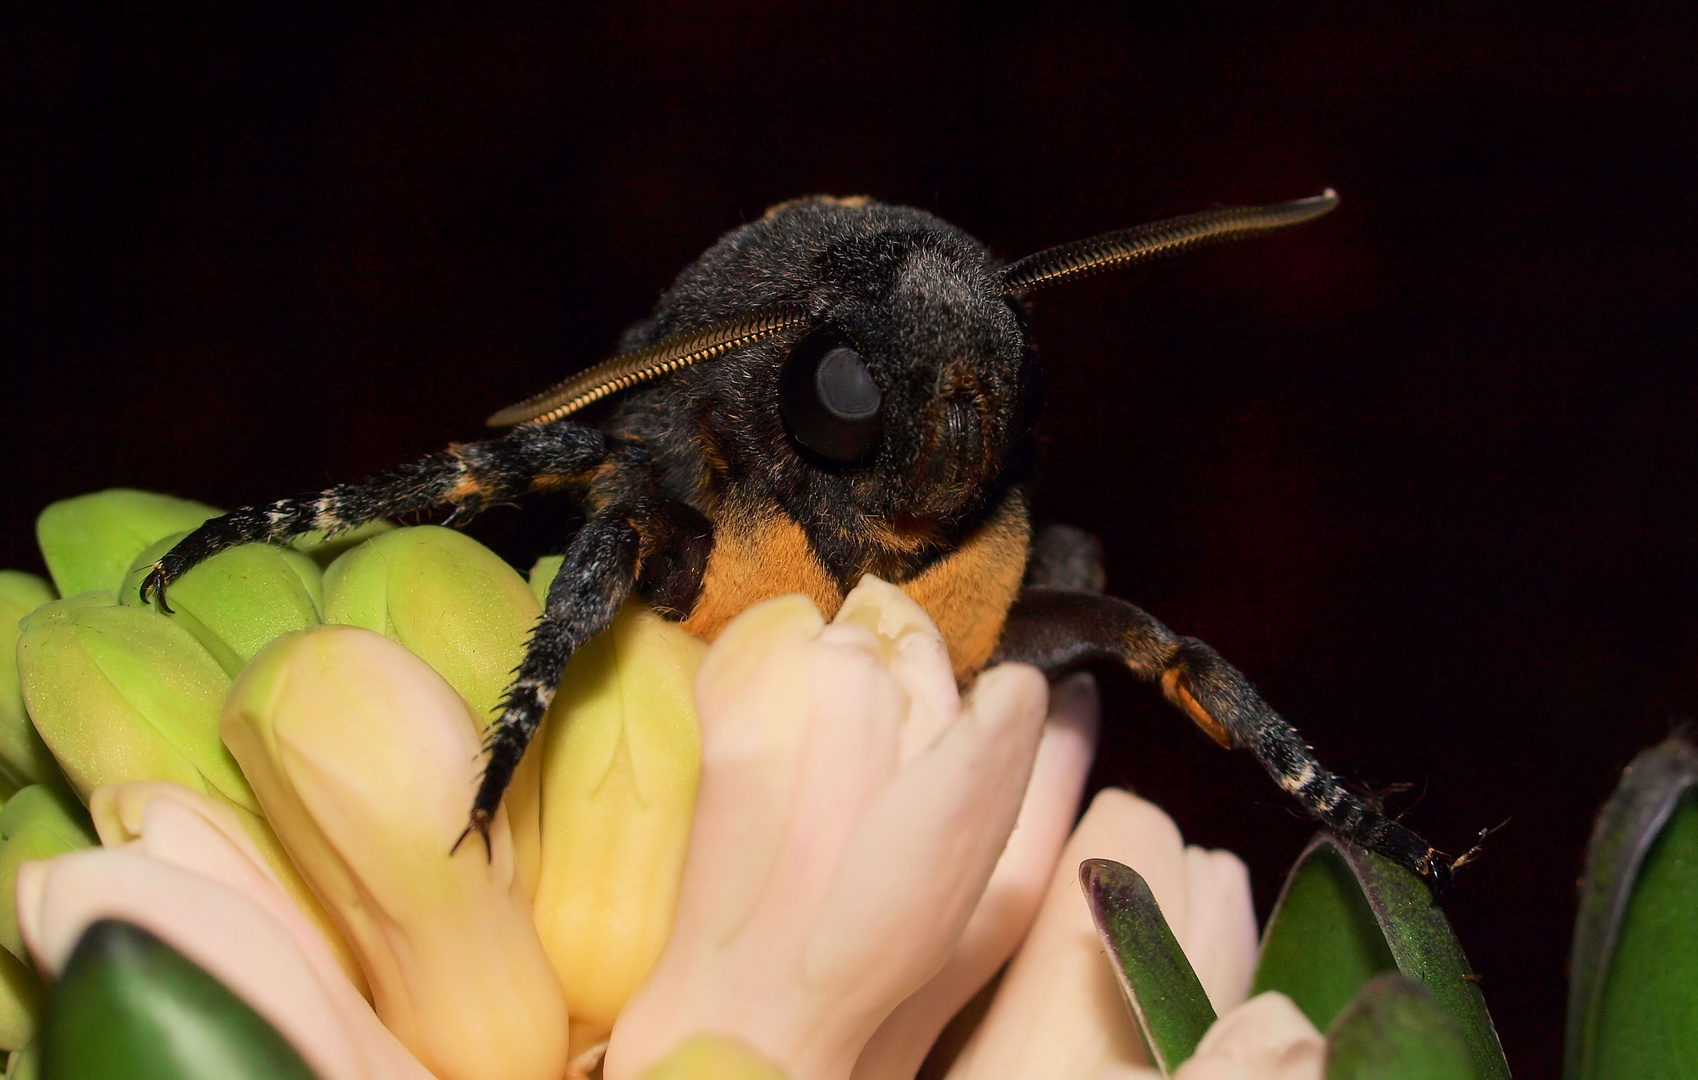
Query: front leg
654,543
467,477
1057,629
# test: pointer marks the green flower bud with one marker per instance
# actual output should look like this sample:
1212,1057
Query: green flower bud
451,601
621,759
24,759
542,576
90,541
38,822
324,548
239,600
123,693
21,994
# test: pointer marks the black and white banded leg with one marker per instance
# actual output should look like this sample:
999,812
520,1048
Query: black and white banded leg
1057,629
654,543
468,477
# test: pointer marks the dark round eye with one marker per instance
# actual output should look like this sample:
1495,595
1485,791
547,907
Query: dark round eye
829,400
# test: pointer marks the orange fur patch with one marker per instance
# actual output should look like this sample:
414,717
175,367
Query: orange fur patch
968,594
756,557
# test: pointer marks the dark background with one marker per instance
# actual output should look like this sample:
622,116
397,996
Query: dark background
1424,469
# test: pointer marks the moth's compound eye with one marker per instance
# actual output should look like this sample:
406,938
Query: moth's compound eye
829,400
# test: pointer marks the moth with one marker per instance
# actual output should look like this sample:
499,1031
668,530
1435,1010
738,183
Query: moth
840,388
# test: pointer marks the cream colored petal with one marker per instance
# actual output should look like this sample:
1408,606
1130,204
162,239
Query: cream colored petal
366,762
1220,925
922,855
1265,1038
1011,898
1058,1014
750,744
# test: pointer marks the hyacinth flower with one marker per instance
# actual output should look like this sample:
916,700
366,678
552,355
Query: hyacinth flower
801,885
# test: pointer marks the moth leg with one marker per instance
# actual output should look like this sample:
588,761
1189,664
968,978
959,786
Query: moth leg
468,477
1057,629
655,544
1065,558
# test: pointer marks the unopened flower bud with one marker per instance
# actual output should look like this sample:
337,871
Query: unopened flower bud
236,602
90,541
122,693
619,772
38,822
367,762
24,758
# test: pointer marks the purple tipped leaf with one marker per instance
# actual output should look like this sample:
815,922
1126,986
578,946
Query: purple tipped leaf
1167,1001
1346,915
1633,972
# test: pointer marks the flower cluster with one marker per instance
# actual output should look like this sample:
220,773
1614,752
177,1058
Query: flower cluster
798,853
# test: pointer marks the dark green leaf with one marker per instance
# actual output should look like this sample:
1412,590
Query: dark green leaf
1633,993
1166,999
1394,1030
1346,915
129,1006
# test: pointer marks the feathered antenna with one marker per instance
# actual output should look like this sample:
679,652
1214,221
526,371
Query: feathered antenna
1158,240
650,362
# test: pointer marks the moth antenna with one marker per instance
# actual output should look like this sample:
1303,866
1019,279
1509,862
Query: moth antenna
650,362
1159,239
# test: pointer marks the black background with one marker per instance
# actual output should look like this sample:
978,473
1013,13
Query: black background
1424,469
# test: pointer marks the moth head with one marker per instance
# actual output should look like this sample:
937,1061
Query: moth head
843,349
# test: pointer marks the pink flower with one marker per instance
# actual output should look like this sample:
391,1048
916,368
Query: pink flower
1059,1015
853,807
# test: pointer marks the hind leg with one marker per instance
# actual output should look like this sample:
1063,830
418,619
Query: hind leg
1056,629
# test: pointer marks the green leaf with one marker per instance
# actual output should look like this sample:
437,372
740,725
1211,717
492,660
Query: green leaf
1394,1030
129,1006
1166,999
1633,973
89,542
1346,915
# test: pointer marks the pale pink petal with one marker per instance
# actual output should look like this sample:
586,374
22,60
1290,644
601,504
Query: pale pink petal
211,924
1220,925
1265,1038
1058,1014
193,832
1011,898
862,887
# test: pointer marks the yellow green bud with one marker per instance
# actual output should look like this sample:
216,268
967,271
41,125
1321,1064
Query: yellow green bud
90,541
38,822
619,769
451,601
24,759
461,609
21,994
713,1057
122,694
324,548
542,576
236,602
